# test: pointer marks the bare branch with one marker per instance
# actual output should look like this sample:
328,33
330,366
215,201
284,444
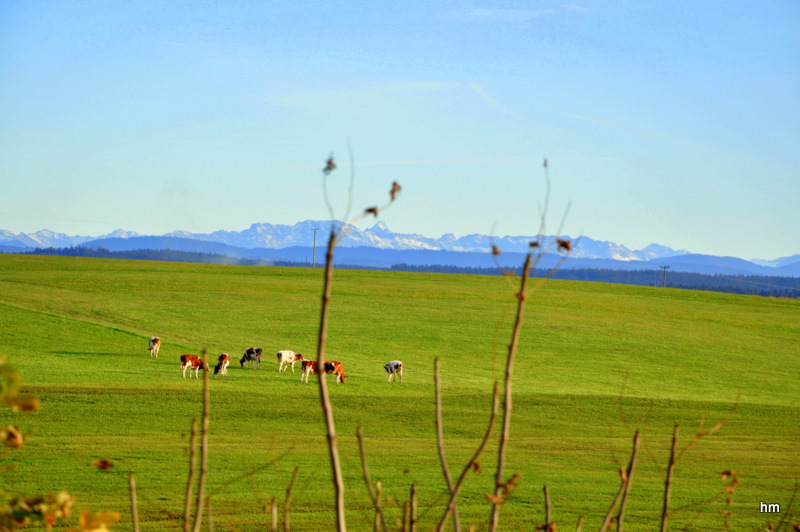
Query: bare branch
624,486
507,401
628,481
413,523
134,511
327,409
440,441
190,481
372,494
473,462
548,518
201,485
668,482
288,502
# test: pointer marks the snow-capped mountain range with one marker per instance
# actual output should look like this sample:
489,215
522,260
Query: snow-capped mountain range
269,236
264,237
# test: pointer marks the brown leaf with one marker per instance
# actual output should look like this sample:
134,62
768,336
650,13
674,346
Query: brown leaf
104,464
564,245
372,210
726,474
495,250
330,166
534,244
476,467
24,403
493,498
395,190
12,437
91,522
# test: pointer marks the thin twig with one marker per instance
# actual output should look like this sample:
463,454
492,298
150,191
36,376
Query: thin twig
522,296
376,502
413,524
548,518
327,409
668,482
378,514
440,441
190,481
624,486
580,524
406,516
274,511
473,462
607,519
134,511
210,517
288,502
628,482
201,484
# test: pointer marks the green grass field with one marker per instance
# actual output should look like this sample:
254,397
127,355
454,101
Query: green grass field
596,362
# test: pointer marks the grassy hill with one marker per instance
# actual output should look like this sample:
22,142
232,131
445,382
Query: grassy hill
596,362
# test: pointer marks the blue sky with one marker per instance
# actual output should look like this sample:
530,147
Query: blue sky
669,122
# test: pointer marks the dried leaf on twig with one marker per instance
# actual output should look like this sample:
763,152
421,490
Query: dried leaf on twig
104,464
372,210
330,166
395,190
12,437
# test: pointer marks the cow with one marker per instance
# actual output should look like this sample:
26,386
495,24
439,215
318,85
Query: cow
252,354
394,369
309,367
288,357
192,362
155,344
334,366
222,367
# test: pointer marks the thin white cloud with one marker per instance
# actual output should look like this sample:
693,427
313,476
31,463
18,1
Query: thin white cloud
488,100
493,160
622,127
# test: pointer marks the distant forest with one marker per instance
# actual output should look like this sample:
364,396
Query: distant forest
759,285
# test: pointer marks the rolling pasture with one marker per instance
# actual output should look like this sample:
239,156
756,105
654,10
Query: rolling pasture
595,363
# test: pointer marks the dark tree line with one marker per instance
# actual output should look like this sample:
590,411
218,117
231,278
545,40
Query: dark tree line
760,285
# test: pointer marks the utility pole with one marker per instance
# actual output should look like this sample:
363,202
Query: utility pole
665,268
314,255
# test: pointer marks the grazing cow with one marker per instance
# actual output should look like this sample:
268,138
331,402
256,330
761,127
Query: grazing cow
394,369
192,362
334,366
309,367
253,354
222,367
288,357
155,344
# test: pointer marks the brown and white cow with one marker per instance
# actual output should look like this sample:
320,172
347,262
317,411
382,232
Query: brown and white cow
222,367
155,344
192,362
334,366
309,368
394,369
252,354
288,357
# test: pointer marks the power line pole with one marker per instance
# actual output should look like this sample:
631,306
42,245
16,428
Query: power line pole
314,264
665,268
